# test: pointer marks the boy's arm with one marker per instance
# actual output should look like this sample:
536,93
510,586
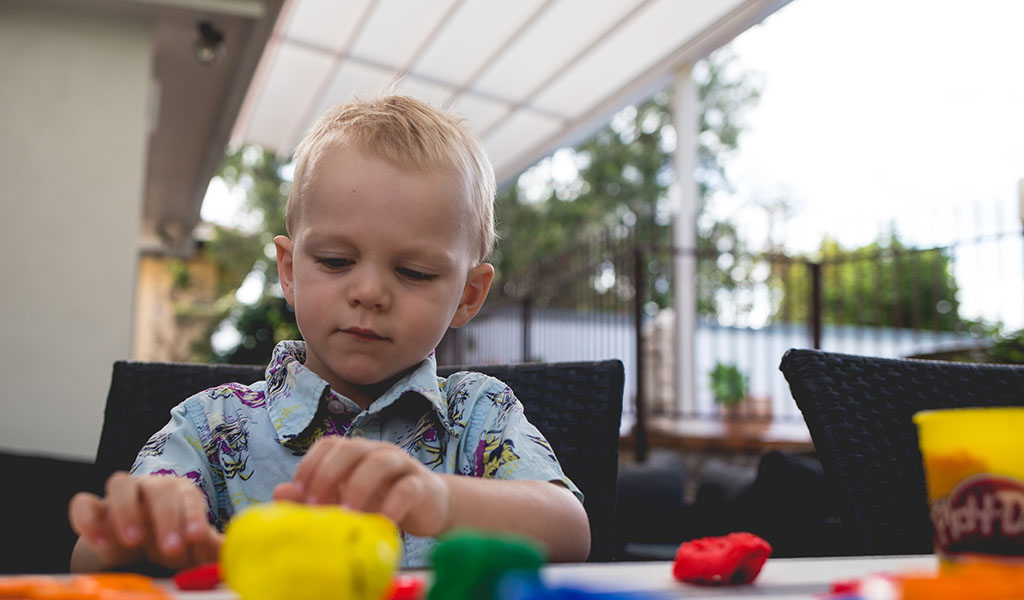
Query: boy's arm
510,489
377,476
381,477
519,485
544,511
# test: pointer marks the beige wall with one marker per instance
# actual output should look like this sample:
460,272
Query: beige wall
74,93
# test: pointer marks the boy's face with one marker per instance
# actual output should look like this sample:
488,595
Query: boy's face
379,266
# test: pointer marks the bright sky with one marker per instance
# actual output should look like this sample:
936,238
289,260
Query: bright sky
874,109
876,112
222,205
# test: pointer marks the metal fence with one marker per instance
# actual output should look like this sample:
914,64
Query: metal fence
612,298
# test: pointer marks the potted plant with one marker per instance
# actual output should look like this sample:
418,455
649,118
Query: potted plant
740,410
728,386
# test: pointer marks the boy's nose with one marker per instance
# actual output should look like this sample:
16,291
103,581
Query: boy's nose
368,290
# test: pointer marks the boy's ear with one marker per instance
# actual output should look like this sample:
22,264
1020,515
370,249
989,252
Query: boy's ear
284,247
473,295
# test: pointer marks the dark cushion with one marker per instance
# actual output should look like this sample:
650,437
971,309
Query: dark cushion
37,537
651,500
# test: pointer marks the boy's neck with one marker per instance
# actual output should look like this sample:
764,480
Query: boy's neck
365,395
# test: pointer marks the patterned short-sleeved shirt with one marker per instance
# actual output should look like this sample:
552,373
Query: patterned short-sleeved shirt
237,442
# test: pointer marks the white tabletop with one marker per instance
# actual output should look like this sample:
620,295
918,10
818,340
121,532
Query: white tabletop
781,578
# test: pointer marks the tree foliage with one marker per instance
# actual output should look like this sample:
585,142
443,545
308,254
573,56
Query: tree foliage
241,255
1008,348
883,284
621,184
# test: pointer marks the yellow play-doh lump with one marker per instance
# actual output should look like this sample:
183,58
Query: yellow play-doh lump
283,551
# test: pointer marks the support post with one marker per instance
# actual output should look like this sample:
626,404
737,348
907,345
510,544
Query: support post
684,196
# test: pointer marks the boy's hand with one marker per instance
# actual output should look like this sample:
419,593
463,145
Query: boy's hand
372,477
160,518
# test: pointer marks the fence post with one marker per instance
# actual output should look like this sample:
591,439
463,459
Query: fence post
527,317
816,302
639,286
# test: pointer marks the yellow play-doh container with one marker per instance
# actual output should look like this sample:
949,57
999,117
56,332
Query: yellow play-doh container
974,473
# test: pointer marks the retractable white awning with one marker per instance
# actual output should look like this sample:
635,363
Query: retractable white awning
528,75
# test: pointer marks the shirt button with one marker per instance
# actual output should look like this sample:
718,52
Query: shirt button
356,432
336,406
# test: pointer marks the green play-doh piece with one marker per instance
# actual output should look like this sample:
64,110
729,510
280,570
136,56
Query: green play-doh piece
468,564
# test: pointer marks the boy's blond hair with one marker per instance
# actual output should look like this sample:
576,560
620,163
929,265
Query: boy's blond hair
409,134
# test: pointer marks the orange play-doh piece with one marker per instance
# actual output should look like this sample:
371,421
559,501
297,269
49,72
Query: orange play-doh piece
114,581
61,591
93,586
19,586
154,594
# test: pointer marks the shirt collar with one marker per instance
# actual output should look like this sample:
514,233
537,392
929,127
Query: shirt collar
294,392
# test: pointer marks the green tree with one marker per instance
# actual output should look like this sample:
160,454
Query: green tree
240,255
1008,348
624,173
883,284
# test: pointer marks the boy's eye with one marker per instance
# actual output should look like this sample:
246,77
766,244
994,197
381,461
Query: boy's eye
414,275
334,263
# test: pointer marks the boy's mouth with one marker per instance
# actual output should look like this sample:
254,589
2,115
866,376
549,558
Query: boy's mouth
364,334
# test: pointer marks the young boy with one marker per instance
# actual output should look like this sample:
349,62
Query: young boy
390,220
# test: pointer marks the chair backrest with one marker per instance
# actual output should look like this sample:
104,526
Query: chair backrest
577,406
140,400
858,410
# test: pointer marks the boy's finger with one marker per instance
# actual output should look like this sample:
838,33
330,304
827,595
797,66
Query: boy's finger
404,495
288,491
207,549
124,510
195,514
372,477
163,501
88,518
310,463
83,512
331,469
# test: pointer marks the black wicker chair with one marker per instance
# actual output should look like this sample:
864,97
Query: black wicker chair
858,410
578,407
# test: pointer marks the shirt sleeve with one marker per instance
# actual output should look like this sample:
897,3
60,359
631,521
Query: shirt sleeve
502,444
177,449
